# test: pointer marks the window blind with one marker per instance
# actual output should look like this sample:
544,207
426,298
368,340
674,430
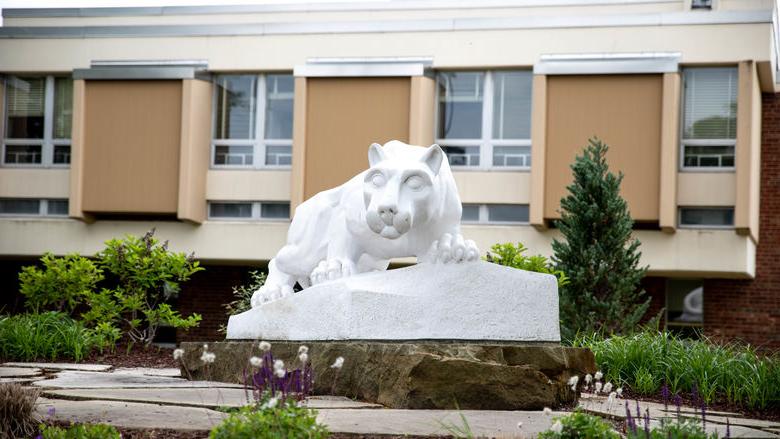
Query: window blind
710,110
25,96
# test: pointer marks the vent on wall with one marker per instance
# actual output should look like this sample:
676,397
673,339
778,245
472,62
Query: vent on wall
701,4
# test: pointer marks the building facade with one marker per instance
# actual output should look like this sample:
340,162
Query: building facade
213,123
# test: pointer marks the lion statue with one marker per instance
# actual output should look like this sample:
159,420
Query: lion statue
405,204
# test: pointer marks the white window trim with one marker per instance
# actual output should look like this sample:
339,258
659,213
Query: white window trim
256,211
484,216
47,143
703,226
43,210
485,143
259,143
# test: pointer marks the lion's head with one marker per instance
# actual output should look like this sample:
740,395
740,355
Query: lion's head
400,189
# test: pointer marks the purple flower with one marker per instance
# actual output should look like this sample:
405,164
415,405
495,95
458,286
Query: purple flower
678,403
50,412
704,414
630,423
728,429
665,395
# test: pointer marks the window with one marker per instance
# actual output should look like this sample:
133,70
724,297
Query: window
253,121
33,207
701,4
495,213
248,210
703,217
684,306
709,118
484,118
38,113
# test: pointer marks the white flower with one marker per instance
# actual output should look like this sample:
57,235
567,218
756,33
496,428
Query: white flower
520,425
608,387
303,350
280,373
598,387
256,361
278,364
264,346
547,411
338,363
207,357
557,427
598,375
619,392
271,403
573,382
304,357
205,347
588,378
178,353
611,398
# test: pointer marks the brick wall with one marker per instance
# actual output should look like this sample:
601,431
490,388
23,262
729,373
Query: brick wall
749,310
655,289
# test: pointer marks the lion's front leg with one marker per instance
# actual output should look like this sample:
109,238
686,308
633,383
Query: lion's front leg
333,268
342,256
452,248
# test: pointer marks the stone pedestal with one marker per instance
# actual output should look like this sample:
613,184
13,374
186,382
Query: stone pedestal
420,374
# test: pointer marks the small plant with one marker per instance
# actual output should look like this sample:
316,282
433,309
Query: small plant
80,431
511,255
50,335
60,285
270,376
579,425
17,411
639,428
274,418
243,297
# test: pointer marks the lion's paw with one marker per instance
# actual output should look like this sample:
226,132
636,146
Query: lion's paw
268,293
453,248
331,269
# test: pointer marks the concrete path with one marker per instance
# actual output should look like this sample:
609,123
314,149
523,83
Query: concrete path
19,372
63,366
101,380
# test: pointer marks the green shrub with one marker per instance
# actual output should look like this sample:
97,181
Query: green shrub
645,361
671,430
50,335
60,285
285,420
579,425
17,411
511,255
243,296
80,431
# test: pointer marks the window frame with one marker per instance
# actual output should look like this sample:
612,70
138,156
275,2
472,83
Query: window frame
259,143
48,142
256,215
43,209
485,143
680,225
484,216
702,142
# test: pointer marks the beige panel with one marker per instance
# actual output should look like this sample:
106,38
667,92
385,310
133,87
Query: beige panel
195,147
243,185
2,108
343,117
34,183
670,144
132,144
538,150
299,145
494,187
422,110
766,76
706,188
624,111
748,150
75,202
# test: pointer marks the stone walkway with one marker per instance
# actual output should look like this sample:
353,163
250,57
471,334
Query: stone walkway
161,398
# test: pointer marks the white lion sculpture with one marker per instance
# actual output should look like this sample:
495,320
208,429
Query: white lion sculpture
405,204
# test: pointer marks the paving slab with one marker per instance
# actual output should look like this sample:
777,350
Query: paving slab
173,372
130,414
734,430
694,411
19,372
25,380
63,366
101,380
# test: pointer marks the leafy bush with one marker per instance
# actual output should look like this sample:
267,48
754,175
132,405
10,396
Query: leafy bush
511,255
243,297
50,335
17,411
61,284
80,431
275,420
648,360
579,425
670,430
598,254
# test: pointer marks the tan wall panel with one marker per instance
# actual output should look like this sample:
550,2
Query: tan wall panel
422,110
34,183
670,144
240,185
299,145
706,188
195,147
538,150
343,117
131,146
76,200
624,111
494,187
748,151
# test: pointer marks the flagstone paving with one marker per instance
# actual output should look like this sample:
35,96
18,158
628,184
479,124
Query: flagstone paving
19,372
171,372
102,380
63,366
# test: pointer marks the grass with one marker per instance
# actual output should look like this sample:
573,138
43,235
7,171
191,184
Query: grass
646,361
49,336
17,411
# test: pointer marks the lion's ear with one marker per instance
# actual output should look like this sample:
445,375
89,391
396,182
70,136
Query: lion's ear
376,154
433,157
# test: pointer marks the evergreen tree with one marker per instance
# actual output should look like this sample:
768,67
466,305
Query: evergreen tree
598,254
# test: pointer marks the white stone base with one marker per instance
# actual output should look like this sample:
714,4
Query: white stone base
470,301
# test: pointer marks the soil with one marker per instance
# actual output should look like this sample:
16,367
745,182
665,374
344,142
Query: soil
135,356
772,414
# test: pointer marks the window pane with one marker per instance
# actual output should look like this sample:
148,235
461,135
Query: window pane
63,108
684,302
709,156
233,155
279,106
24,107
275,210
470,213
19,207
278,155
508,213
460,105
710,103
462,155
512,105
22,154
61,154
512,156
707,216
235,116
230,210
57,207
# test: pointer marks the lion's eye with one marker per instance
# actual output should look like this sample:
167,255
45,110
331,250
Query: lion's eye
378,180
414,183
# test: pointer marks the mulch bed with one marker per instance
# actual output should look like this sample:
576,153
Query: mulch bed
720,406
135,356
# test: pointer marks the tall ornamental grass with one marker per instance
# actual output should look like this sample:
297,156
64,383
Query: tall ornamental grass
647,361
50,335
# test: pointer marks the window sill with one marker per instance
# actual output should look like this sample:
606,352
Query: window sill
491,169
32,166
249,168
707,169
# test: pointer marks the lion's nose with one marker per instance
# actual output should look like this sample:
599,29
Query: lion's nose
386,212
